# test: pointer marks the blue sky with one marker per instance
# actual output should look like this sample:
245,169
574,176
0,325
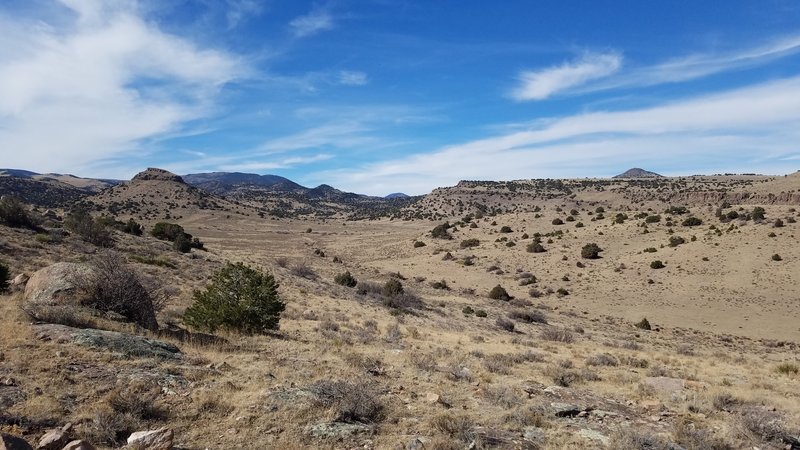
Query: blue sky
382,96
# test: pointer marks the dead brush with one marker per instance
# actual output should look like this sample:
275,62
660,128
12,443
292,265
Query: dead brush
350,402
459,427
557,334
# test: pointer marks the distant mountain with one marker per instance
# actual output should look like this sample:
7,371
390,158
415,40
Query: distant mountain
50,190
396,195
223,183
638,173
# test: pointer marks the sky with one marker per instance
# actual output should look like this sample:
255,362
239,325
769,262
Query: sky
381,96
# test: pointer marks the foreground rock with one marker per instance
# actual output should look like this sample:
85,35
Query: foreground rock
79,445
160,439
128,344
55,439
53,287
9,442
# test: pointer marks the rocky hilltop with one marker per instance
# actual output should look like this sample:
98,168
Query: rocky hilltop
638,173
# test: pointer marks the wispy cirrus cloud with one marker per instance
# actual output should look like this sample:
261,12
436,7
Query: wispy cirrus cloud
101,80
352,78
596,72
316,21
541,84
747,129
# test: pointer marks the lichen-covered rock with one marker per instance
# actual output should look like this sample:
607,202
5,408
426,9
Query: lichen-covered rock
128,344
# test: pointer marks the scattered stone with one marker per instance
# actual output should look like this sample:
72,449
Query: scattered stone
430,397
337,429
593,435
533,434
309,314
128,344
160,439
9,442
78,445
55,439
418,443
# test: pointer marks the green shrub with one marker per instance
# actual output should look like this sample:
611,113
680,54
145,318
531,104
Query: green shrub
182,243
238,298
480,313
468,243
14,214
440,285
643,324
499,293
758,213
89,229
653,219
535,247
506,229
675,241
562,292
657,264
777,257
418,244
650,250
345,279
440,231
591,251
788,369
467,310
132,227
778,223
4,274
392,288
691,222
558,221
167,231
677,210
620,218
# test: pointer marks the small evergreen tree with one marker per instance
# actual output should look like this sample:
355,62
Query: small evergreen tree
14,214
238,298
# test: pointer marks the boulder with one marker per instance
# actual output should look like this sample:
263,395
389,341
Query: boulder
55,439
9,442
54,286
129,345
78,445
160,439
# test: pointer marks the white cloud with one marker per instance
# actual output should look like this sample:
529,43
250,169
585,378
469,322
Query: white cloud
747,129
541,84
352,78
97,83
319,19
601,71
273,165
240,10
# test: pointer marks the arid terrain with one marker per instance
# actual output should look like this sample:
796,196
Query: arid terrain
558,358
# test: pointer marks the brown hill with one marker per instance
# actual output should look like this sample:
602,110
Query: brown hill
156,194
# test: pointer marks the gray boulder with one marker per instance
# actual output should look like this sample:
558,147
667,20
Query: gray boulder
128,344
